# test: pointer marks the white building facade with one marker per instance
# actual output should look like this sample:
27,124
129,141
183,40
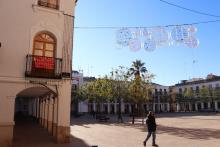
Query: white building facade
35,62
198,102
77,81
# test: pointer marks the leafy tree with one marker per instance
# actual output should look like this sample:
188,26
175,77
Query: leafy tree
119,85
101,89
217,93
188,92
204,92
173,99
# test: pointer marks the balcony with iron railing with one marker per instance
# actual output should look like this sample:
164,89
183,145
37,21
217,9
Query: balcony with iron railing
48,5
43,67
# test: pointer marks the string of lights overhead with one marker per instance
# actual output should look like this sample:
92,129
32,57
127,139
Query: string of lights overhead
152,37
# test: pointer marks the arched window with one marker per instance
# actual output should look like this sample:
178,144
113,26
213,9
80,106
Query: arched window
44,45
49,3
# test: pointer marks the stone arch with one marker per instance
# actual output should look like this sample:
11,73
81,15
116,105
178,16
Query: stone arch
38,103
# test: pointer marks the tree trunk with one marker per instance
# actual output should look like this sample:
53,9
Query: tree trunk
213,105
139,110
133,117
119,111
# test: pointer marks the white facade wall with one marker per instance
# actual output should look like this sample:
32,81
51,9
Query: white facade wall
207,84
77,78
21,21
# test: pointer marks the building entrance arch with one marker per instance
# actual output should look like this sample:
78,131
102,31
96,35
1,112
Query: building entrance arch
35,106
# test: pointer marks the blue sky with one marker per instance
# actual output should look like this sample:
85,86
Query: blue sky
95,50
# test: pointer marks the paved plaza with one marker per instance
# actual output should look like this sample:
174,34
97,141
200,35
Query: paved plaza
174,130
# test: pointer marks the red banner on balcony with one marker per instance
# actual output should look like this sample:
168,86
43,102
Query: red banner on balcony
44,62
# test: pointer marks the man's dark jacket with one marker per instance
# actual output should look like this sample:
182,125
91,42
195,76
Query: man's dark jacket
151,123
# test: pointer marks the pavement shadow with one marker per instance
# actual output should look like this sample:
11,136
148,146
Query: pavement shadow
189,133
185,114
77,142
30,134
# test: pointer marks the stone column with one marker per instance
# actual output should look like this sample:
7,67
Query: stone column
42,111
202,105
196,107
37,109
168,107
190,107
7,109
45,113
162,107
55,113
64,100
50,115
153,107
216,105
209,105
178,107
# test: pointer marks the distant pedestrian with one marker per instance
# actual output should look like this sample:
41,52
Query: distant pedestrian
151,124
93,114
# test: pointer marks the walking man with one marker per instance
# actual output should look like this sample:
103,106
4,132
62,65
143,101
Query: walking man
151,124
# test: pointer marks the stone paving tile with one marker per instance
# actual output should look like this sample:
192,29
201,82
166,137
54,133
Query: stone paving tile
185,130
174,130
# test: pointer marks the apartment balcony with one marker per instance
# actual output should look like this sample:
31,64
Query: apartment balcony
48,5
43,67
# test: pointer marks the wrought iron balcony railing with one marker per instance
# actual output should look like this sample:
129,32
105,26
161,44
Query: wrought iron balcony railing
43,67
49,5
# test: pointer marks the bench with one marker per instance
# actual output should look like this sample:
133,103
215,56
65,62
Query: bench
103,118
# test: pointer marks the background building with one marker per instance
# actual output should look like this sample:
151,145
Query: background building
35,61
198,94
190,95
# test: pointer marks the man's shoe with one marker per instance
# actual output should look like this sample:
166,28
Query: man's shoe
154,145
144,143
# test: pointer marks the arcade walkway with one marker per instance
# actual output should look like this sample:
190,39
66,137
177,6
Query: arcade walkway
28,133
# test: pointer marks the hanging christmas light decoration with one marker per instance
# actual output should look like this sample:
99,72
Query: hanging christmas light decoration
160,35
192,42
146,33
135,44
149,45
179,34
152,38
136,33
192,29
123,36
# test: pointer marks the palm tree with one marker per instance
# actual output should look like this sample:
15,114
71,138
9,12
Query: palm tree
137,70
